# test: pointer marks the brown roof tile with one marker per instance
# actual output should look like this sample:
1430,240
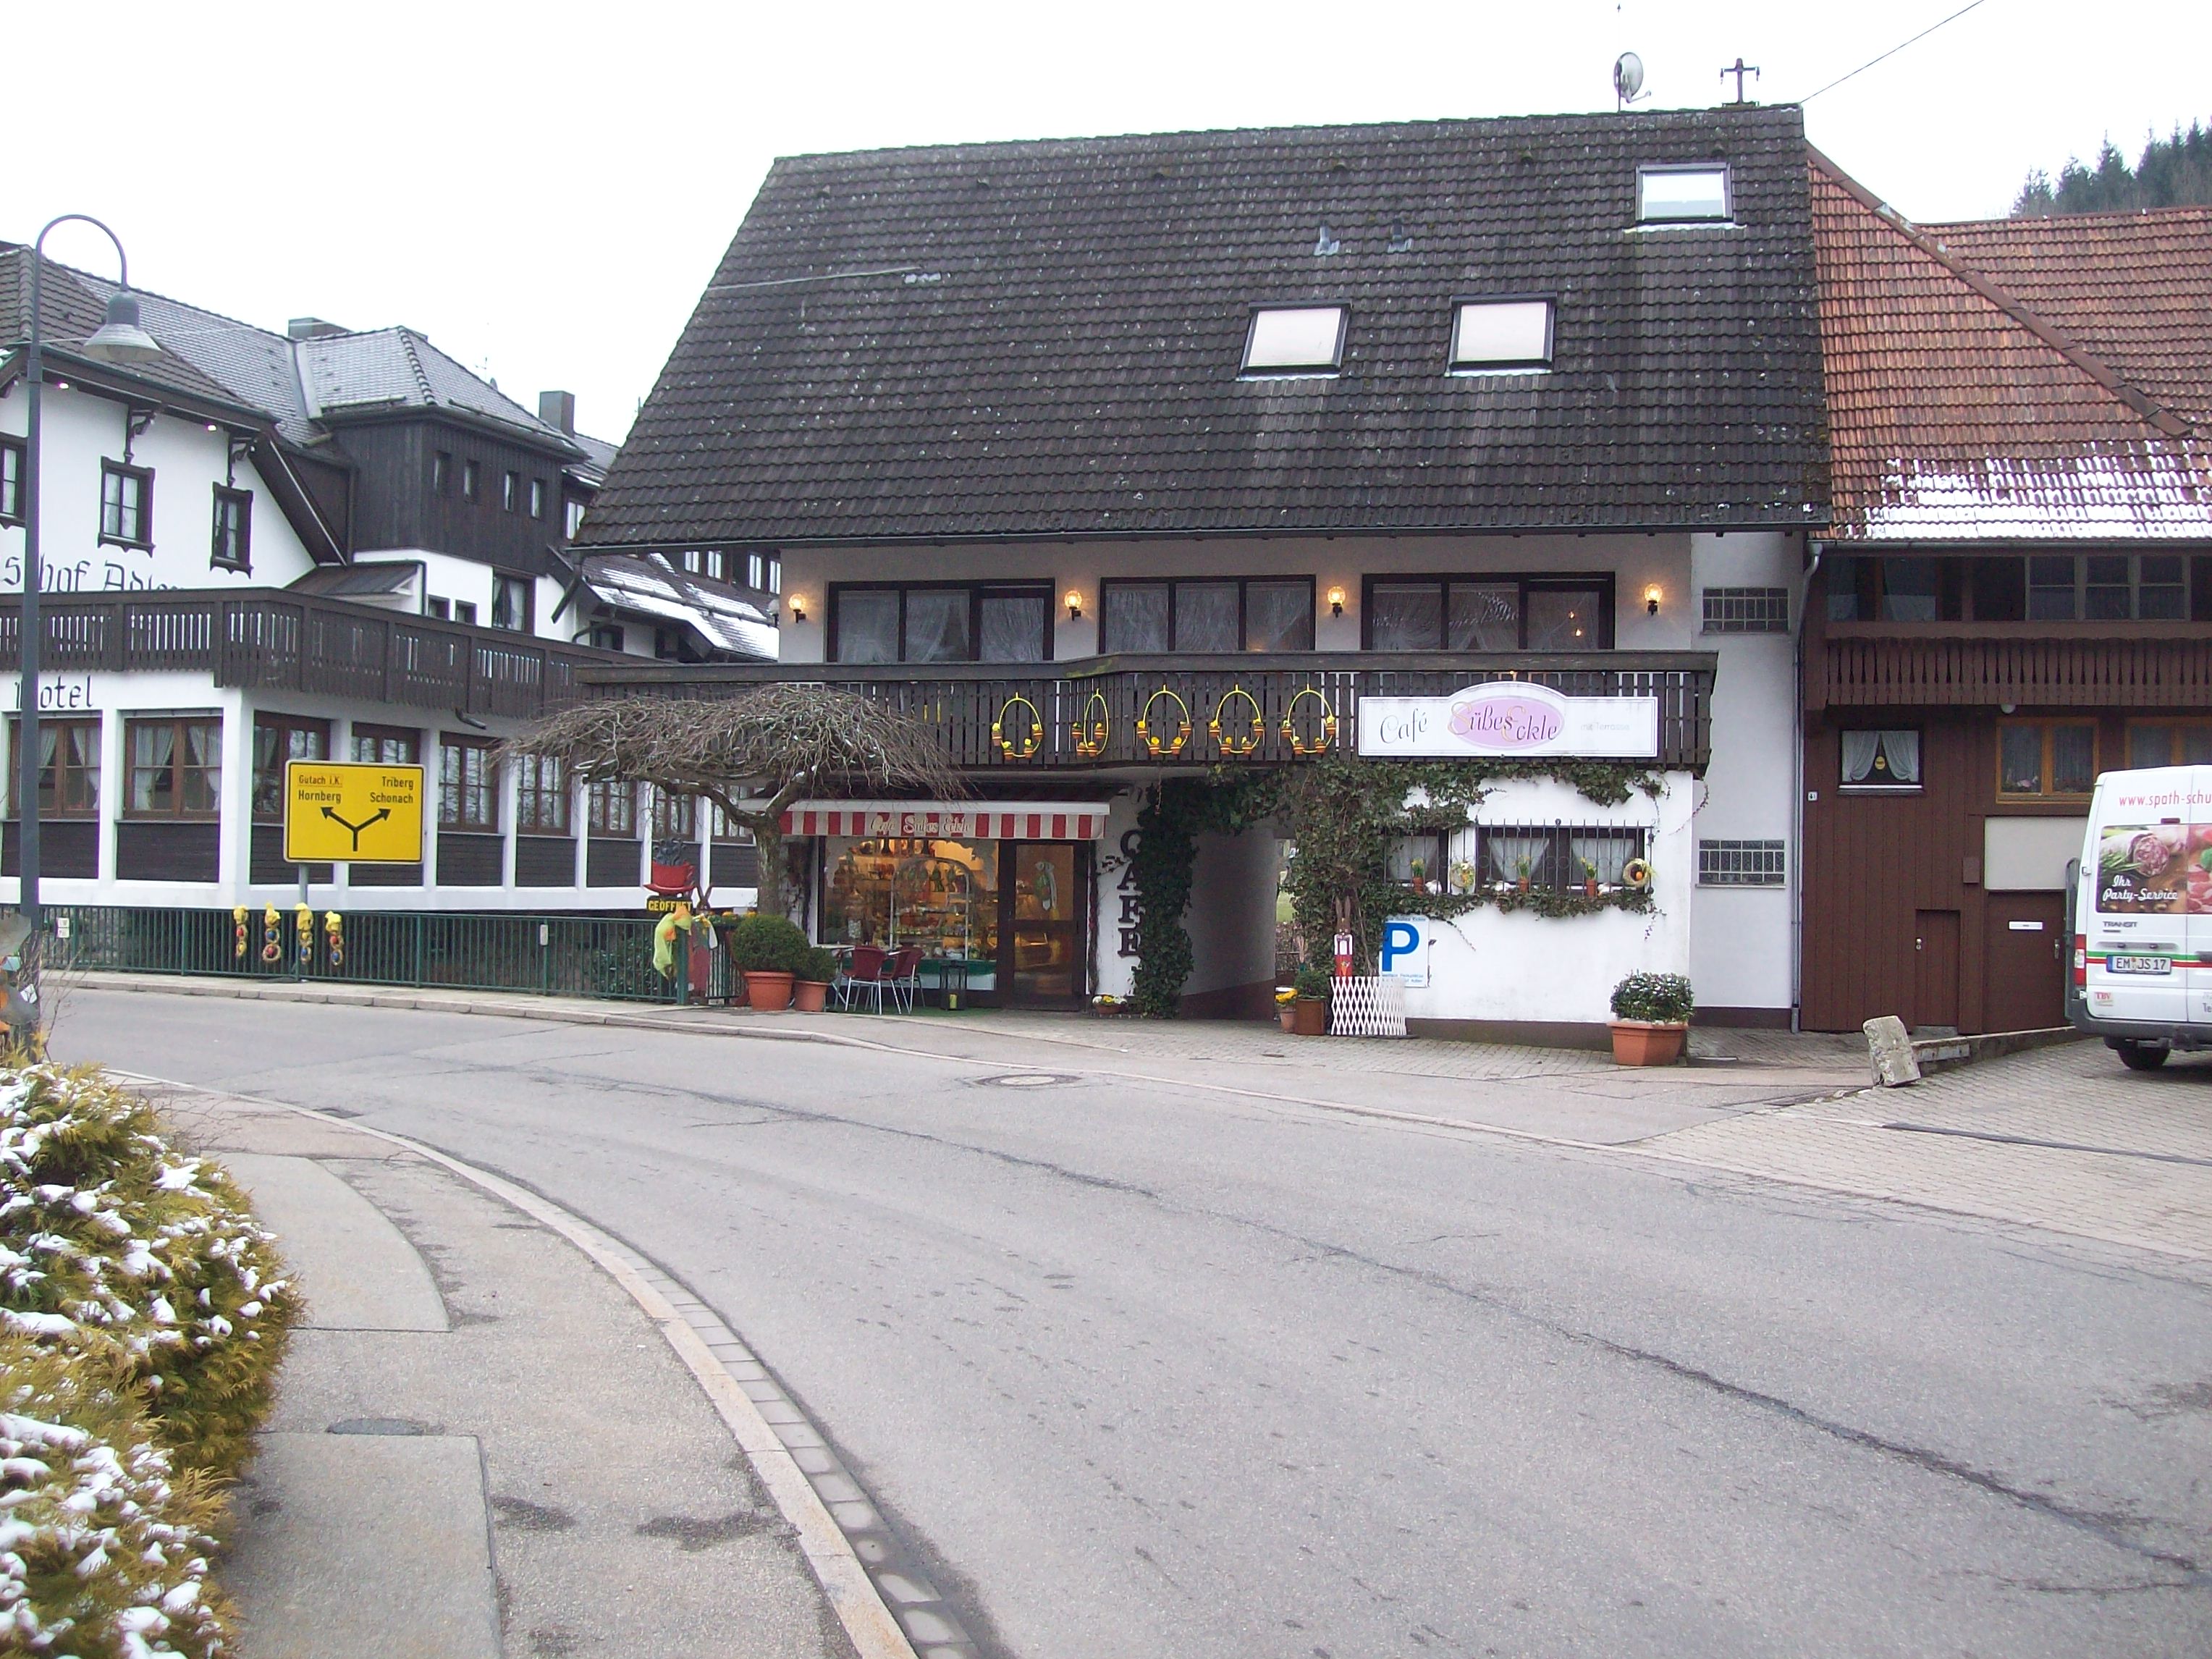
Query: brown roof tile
2135,289
1956,410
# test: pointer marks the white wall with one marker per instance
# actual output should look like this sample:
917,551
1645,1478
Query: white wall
1636,561
187,460
1522,968
1741,948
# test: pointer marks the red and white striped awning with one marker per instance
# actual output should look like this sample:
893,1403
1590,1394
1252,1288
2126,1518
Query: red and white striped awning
978,820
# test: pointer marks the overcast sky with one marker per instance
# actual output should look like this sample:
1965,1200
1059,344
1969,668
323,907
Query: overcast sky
543,190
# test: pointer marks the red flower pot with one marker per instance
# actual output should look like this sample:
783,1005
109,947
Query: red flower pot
1646,1043
767,992
807,995
1287,1012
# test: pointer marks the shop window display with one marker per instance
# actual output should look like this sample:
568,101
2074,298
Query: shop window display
942,895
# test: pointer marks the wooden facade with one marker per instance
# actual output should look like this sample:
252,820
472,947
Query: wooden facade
1897,917
1198,710
287,642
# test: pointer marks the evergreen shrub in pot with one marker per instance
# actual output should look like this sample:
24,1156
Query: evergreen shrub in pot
1650,1018
770,951
817,969
1309,1013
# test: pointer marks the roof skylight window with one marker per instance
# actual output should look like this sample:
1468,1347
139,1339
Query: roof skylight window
1295,340
1490,336
1675,196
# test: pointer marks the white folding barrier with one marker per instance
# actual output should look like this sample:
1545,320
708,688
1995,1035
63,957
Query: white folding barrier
1371,1007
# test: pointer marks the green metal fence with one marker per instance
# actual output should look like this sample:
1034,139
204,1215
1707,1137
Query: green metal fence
555,956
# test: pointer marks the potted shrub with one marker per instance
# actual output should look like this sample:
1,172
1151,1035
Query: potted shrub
1286,1000
1650,1018
816,970
1310,1008
768,951
1589,879
1520,874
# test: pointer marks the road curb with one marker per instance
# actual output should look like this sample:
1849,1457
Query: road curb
860,1565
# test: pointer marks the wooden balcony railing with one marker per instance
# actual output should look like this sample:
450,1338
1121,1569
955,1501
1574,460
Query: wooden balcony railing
1196,711
277,640
2148,665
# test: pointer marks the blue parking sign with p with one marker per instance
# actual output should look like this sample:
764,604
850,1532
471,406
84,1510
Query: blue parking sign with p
1405,954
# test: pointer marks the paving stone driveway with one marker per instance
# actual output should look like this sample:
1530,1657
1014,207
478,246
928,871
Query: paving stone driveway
2062,1138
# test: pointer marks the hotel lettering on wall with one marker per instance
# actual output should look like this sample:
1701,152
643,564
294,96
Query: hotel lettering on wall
1509,718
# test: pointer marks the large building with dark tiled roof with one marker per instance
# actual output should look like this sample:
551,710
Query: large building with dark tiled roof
1129,457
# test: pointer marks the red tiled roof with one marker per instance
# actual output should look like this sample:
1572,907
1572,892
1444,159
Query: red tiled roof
1956,409
2135,289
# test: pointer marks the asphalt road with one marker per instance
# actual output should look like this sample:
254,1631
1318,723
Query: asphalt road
1155,1371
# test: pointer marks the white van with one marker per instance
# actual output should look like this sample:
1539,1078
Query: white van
2140,909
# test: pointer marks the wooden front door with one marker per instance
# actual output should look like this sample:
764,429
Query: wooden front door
2024,958
1935,967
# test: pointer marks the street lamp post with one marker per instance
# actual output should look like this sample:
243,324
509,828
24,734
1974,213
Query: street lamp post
118,339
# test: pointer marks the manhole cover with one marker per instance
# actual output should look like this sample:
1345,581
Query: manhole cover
1024,1080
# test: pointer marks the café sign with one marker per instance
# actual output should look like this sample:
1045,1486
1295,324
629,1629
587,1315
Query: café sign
1509,718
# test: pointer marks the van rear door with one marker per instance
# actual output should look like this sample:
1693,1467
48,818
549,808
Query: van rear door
2135,878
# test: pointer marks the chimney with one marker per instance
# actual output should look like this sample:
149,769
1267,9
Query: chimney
558,408
313,328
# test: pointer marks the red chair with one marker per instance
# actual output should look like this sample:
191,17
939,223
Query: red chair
865,971
903,975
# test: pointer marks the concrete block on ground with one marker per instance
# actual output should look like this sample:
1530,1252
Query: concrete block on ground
354,1544
358,1270
1889,1051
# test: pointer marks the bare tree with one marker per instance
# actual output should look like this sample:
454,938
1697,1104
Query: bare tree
752,754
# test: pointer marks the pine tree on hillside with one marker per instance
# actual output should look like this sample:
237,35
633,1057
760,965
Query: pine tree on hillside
2174,171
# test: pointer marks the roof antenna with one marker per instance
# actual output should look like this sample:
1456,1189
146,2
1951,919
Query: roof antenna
1628,81
1740,69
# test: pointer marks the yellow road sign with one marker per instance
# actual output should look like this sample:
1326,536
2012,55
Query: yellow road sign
341,812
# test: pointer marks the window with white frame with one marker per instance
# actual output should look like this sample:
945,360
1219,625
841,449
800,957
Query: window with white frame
1489,336
1296,340
1682,195
1740,864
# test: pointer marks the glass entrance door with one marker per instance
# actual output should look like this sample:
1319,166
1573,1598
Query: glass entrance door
1044,930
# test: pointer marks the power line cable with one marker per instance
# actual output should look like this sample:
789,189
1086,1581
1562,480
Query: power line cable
1892,52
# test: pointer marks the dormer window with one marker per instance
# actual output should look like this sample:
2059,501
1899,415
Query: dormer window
1296,340
1501,336
1678,196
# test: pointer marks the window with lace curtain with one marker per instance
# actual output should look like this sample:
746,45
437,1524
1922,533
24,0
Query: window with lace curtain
1881,763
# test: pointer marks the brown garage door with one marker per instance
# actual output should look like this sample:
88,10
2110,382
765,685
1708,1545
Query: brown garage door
2024,962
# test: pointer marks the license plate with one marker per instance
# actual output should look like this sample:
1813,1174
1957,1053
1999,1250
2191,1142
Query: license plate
2139,965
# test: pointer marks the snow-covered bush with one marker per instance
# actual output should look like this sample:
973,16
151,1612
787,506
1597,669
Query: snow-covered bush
103,1549
113,1243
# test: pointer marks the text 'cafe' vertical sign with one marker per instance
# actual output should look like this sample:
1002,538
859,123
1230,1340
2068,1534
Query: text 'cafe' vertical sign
1509,717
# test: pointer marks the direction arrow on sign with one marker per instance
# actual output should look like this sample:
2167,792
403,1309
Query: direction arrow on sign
340,812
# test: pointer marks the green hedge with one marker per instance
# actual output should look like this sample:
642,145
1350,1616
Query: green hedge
103,1546
115,1244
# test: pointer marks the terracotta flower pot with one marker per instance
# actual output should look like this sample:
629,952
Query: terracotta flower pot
1309,1017
1288,1013
1589,887
1646,1043
767,993
807,996
1522,884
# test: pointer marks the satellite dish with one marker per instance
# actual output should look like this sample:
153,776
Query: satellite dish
1627,77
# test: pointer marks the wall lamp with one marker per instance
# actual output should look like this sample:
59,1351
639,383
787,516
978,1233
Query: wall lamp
1651,600
1336,602
798,603
1074,605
